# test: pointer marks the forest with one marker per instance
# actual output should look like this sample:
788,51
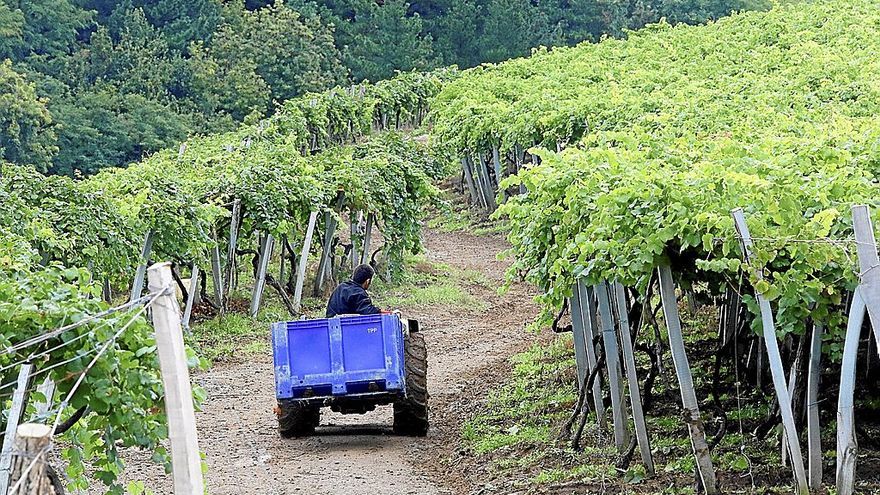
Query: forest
89,84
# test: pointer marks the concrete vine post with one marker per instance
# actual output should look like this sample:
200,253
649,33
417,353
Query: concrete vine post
138,286
847,447
694,422
577,329
489,190
869,262
499,172
191,297
591,330
480,182
615,378
262,269
185,457
519,158
233,245
774,359
368,234
635,395
216,271
814,431
469,180
304,261
330,224
19,401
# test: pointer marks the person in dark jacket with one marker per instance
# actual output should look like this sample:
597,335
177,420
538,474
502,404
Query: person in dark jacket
351,297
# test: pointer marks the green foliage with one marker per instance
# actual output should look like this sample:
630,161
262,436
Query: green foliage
101,221
26,135
136,76
11,30
50,26
104,128
382,39
671,130
269,167
293,54
124,388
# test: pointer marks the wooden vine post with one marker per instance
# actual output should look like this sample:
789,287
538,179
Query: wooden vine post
705,469
847,448
615,378
28,470
185,457
775,360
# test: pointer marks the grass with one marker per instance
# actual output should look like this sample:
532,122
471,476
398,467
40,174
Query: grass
462,219
516,433
525,411
236,337
427,283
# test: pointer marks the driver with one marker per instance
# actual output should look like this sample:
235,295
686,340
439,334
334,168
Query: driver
351,298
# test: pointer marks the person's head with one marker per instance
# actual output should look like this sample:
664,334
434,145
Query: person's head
363,275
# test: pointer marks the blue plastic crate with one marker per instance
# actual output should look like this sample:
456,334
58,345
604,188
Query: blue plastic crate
338,357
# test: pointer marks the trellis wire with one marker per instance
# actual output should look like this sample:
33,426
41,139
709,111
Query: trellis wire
107,345
59,410
46,336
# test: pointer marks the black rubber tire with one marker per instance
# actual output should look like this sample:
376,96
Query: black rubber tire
411,412
297,420
55,480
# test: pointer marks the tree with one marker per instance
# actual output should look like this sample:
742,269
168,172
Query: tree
26,133
51,26
11,30
511,28
383,39
101,127
293,54
225,93
455,30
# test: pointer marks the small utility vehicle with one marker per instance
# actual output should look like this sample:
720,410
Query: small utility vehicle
351,365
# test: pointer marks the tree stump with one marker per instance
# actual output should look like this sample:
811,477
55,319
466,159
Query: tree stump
32,440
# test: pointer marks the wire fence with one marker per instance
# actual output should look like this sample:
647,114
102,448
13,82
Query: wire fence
55,412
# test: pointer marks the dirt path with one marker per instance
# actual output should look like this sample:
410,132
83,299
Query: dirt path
468,350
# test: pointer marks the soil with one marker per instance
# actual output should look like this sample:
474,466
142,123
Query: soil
468,350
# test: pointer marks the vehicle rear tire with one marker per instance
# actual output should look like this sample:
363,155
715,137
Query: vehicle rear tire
296,419
411,412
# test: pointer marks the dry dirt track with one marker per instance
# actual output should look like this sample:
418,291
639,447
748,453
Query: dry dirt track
354,455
